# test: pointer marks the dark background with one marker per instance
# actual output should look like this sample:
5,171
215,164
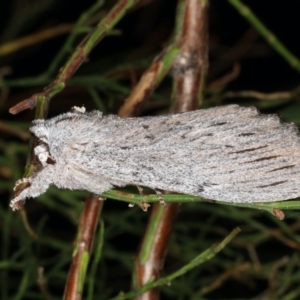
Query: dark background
261,263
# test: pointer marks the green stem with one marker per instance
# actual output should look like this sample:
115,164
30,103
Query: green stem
269,36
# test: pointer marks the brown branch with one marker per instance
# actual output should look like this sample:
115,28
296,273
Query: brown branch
191,64
144,270
148,82
189,71
29,103
84,243
155,254
141,91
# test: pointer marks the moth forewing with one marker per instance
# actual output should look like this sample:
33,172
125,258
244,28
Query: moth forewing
227,153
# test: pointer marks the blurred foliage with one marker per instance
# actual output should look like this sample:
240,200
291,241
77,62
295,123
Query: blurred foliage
262,262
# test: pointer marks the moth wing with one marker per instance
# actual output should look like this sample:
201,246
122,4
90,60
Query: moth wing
228,153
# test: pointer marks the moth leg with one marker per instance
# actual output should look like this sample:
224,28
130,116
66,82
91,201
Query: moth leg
160,197
140,189
144,206
22,181
39,183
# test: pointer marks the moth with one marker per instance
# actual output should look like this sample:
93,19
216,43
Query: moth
228,153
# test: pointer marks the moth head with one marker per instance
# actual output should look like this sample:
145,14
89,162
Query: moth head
40,131
43,155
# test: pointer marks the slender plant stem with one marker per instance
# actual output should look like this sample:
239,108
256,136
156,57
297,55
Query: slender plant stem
269,36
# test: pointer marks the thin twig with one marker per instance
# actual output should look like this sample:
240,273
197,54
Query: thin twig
149,81
258,95
78,57
198,260
225,276
221,82
34,38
